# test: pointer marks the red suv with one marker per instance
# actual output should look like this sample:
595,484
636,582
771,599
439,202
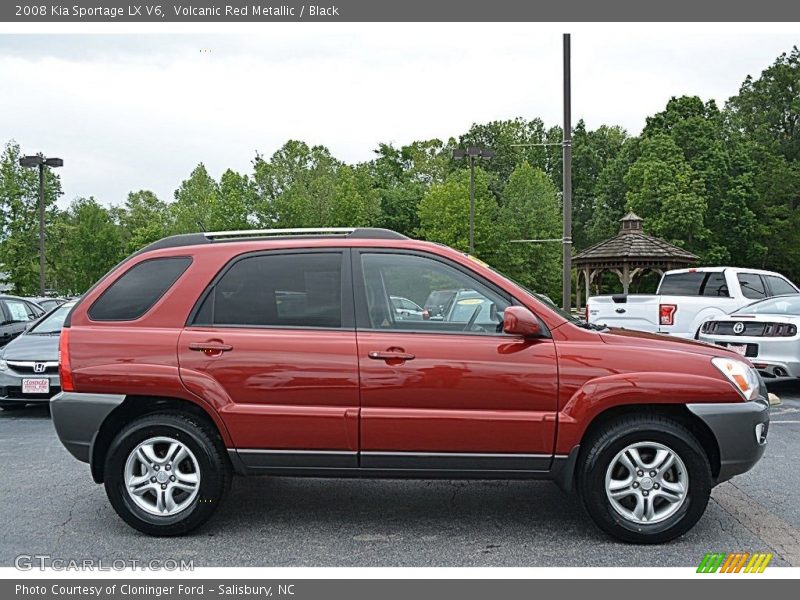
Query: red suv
281,353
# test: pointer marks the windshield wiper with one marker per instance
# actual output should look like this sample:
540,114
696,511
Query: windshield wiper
591,326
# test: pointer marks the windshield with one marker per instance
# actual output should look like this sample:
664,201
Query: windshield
779,305
53,322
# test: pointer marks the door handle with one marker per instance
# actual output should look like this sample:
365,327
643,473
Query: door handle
210,348
391,355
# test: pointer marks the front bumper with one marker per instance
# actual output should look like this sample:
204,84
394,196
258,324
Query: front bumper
11,387
741,432
78,417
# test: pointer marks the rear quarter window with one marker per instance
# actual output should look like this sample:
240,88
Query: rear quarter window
138,289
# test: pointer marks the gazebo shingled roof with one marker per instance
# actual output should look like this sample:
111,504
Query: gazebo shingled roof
628,253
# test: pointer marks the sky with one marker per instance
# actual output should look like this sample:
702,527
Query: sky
130,111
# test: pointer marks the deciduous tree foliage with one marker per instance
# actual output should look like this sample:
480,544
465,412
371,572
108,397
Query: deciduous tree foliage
723,183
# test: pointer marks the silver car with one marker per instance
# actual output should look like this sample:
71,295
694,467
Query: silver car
766,332
29,363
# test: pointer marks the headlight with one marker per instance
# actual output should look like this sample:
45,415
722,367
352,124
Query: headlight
743,377
3,365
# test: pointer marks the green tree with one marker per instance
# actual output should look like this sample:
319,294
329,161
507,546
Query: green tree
663,189
610,191
143,219
355,203
764,124
592,151
197,205
90,243
295,187
768,108
237,200
444,215
532,211
402,176
19,221
515,141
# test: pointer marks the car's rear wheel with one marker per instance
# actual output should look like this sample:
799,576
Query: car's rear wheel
645,479
166,473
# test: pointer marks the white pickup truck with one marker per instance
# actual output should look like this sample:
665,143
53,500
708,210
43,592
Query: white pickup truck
687,298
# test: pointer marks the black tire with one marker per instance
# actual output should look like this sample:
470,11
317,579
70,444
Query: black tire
214,466
9,406
604,445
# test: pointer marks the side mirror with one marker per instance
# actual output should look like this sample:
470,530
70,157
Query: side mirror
518,320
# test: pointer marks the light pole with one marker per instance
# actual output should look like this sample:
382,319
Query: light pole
567,173
472,153
41,162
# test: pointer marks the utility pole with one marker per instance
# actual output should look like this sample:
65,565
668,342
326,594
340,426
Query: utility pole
41,162
41,228
567,172
472,153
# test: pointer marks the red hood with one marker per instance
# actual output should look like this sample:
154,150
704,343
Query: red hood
629,337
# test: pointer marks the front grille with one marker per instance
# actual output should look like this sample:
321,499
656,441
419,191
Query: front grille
27,368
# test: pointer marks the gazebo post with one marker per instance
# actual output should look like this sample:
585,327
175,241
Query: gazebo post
626,278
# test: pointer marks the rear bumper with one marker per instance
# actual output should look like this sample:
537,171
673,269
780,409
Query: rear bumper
741,432
773,352
78,417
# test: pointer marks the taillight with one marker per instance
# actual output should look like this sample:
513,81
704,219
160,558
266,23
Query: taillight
666,314
586,316
64,369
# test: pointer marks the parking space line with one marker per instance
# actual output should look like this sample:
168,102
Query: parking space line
781,537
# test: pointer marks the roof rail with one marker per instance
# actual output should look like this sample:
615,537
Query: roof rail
213,235
352,232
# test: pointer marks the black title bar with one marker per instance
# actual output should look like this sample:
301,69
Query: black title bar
210,11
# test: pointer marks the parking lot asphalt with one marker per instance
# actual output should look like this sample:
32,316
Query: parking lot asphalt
50,505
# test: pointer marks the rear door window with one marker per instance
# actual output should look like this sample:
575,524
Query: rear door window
138,289
752,286
715,285
277,290
779,286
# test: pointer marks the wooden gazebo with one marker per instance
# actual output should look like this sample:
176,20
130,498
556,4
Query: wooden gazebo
628,254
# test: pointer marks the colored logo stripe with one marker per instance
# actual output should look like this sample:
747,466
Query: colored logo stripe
714,562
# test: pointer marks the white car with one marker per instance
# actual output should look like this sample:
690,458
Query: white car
766,332
687,298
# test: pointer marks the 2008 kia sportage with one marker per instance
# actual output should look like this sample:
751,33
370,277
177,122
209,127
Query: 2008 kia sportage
281,353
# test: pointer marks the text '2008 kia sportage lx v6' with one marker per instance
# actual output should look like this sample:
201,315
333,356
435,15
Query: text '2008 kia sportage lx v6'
281,353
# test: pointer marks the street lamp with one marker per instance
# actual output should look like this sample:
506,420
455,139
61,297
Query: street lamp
41,162
472,153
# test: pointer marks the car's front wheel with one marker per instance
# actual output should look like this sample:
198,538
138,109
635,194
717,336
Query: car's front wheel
645,479
166,473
